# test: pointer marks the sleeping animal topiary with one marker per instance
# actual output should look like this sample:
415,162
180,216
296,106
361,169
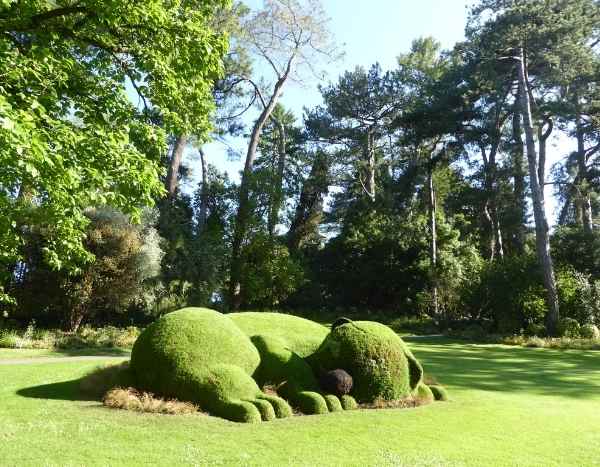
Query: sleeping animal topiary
220,362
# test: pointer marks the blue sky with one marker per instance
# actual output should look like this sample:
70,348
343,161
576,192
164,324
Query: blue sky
370,31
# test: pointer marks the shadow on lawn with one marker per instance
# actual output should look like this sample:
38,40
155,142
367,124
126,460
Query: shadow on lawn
94,351
65,390
570,373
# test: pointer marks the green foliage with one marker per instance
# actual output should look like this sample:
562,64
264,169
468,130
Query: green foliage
85,338
122,276
568,327
579,296
70,138
270,274
535,329
508,292
379,362
589,331
572,247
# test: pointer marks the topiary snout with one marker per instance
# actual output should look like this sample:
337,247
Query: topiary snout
379,362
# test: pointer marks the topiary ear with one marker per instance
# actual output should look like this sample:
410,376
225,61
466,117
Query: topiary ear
339,322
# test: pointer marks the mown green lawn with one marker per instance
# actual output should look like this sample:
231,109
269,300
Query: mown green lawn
18,354
510,406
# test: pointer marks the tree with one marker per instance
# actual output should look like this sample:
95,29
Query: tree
289,37
70,137
424,131
547,41
357,113
226,90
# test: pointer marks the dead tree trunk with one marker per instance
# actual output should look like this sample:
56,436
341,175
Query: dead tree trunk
244,207
539,211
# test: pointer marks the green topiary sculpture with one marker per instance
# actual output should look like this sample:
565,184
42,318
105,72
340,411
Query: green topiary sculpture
220,362
379,362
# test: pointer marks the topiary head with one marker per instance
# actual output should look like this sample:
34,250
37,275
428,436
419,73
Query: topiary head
378,360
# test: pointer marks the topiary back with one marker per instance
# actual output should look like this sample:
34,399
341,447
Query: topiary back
182,344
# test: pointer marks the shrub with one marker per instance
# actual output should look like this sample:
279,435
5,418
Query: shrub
568,327
270,274
9,339
474,331
131,399
579,296
589,331
381,365
535,329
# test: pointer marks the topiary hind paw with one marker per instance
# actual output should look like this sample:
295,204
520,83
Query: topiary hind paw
310,403
239,411
281,408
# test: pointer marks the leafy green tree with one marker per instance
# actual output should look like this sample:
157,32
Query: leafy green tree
70,137
290,37
124,274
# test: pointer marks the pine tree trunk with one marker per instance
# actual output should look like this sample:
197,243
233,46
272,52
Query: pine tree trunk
433,253
539,211
203,211
175,163
582,195
519,180
371,165
309,211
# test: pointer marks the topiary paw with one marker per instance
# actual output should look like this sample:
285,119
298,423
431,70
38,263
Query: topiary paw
280,407
348,402
238,411
333,403
310,402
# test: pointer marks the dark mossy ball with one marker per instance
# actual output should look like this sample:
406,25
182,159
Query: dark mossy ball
336,382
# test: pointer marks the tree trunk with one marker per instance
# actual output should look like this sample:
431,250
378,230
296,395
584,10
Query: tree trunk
433,252
369,157
277,199
244,209
490,210
309,211
519,180
203,211
583,196
541,223
175,164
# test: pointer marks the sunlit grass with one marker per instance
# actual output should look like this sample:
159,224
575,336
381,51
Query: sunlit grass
509,406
